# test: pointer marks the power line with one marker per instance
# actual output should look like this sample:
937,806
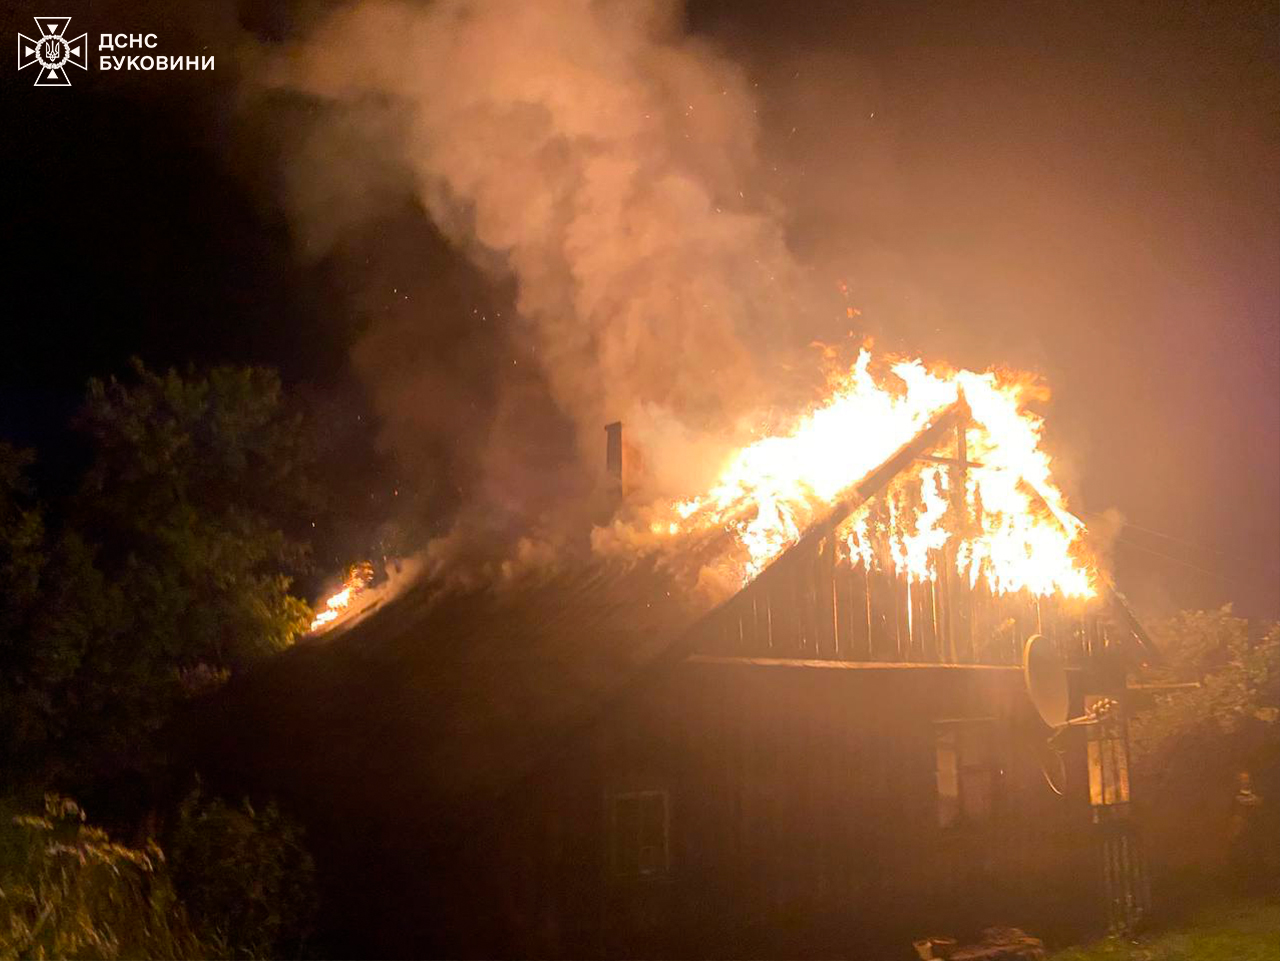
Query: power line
1169,557
1244,564
1155,533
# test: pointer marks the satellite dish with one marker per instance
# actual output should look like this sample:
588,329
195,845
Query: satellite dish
1052,765
1045,675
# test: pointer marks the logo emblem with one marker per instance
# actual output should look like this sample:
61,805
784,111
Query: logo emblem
52,52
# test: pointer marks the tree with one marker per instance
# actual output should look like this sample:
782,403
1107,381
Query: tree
55,607
194,483
173,562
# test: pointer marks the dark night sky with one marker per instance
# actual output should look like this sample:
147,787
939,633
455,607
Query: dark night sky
1084,189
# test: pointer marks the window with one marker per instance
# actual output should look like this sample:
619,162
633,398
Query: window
639,823
967,770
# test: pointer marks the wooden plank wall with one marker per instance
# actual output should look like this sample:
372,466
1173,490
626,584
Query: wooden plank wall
804,820
815,604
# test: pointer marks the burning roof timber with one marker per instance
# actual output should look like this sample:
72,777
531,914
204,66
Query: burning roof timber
956,499
990,510
818,600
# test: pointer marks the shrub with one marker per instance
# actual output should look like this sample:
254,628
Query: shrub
1190,747
68,891
244,875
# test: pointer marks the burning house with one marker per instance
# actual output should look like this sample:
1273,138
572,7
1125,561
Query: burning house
837,753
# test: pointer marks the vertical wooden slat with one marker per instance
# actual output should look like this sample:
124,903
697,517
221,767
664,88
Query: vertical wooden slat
802,608
819,601
902,622
831,601
938,595
911,629
783,612
768,617
760,615
943,594
928,628
869,619
984,650
875,619
844,612
804,604
883,639
915,593
962,612
990,646
781,605
792,575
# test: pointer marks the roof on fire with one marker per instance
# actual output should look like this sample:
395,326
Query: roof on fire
470,683
474,685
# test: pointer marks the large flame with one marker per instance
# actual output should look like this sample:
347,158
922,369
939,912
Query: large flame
1009,528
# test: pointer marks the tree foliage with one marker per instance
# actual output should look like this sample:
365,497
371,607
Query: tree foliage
172,562
167,570
1232,719
56,610
1191,746
194,482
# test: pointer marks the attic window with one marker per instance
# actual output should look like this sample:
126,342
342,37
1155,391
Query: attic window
639,823
967,770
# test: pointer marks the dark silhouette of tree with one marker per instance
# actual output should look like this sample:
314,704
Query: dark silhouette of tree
170,567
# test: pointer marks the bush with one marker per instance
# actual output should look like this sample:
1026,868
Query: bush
1192,747
244,875
1231,721
68,891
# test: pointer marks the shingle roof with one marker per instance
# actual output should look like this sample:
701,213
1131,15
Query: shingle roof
443,696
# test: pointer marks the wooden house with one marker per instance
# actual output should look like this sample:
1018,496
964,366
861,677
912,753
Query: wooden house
833,762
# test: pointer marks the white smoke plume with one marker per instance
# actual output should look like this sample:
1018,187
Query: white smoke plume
597,153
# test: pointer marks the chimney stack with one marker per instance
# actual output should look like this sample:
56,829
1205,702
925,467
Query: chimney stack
613,459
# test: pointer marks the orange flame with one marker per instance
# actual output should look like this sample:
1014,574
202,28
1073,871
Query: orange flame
1009,527
357,579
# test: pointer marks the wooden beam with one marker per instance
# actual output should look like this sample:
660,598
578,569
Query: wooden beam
952,461
870,485
1119,604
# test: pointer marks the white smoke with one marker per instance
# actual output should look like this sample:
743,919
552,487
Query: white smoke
597,152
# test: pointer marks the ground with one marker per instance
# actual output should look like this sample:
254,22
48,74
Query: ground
1238,931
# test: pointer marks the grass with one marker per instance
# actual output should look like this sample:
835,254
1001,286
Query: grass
1236,931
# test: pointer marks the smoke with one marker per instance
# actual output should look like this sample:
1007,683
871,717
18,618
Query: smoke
602,159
